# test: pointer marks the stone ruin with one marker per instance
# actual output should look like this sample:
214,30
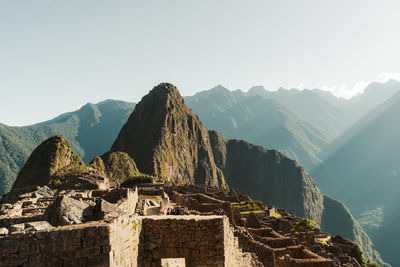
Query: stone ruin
157,225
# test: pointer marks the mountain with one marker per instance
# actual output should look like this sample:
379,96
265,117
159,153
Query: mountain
267,175
374,95
117,166
261,121
321,110
90,130
51,158
362,169
300,123
273,178
164,138
167,140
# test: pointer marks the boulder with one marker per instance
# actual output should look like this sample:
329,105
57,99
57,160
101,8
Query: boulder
66,210
42,191
39,225
3,231
17,227
104,209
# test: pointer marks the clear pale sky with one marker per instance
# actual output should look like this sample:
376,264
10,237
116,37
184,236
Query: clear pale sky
58,55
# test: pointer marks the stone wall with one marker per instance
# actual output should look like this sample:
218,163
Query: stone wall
124,241
205,241
130,240
234,256
198,239
78,245
264,253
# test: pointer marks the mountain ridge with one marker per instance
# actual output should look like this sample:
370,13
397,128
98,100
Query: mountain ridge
16,143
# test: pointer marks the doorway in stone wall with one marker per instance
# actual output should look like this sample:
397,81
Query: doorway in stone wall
173,262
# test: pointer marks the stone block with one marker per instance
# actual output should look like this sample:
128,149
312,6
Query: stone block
49,245
28,246
79,253
17,227
75,263
96,230
4,231
4,260
16,260
8,246
95,241
100,260
105,249
39,225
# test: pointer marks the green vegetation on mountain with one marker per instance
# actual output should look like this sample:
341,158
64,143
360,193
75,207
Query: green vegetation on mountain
167,140
338,220
269,176
304,225
117,166
273,178
53,160
90,131
164,140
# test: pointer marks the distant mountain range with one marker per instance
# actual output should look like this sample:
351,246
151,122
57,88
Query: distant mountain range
351,159
90,130
300,123
165,140
362,168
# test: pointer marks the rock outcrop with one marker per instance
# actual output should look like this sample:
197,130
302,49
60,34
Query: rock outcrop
166,139
337,219
53,158
267,175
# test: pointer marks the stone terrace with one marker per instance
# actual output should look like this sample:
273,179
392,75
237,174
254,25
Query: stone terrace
157,225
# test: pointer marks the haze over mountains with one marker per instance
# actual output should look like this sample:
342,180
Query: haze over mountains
300,123
90,130
363,169
305,125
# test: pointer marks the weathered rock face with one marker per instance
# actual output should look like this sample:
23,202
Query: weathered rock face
66,210
337,219
166,139
54,157
273,178
267,175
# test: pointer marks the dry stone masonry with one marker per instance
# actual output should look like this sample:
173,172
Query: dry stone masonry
157,225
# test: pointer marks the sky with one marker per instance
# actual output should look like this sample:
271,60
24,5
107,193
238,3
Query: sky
57,55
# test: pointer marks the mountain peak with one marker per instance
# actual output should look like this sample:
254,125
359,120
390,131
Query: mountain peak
166,139
257,90
50,158
165,89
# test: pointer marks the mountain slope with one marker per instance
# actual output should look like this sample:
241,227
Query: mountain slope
261,121
365,164
299,123
50,158
167,140
90,130
322,111
273,178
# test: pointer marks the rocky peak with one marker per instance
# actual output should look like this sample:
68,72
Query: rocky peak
51,158
166,139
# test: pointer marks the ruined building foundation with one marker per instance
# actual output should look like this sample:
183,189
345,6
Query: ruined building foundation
203,241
